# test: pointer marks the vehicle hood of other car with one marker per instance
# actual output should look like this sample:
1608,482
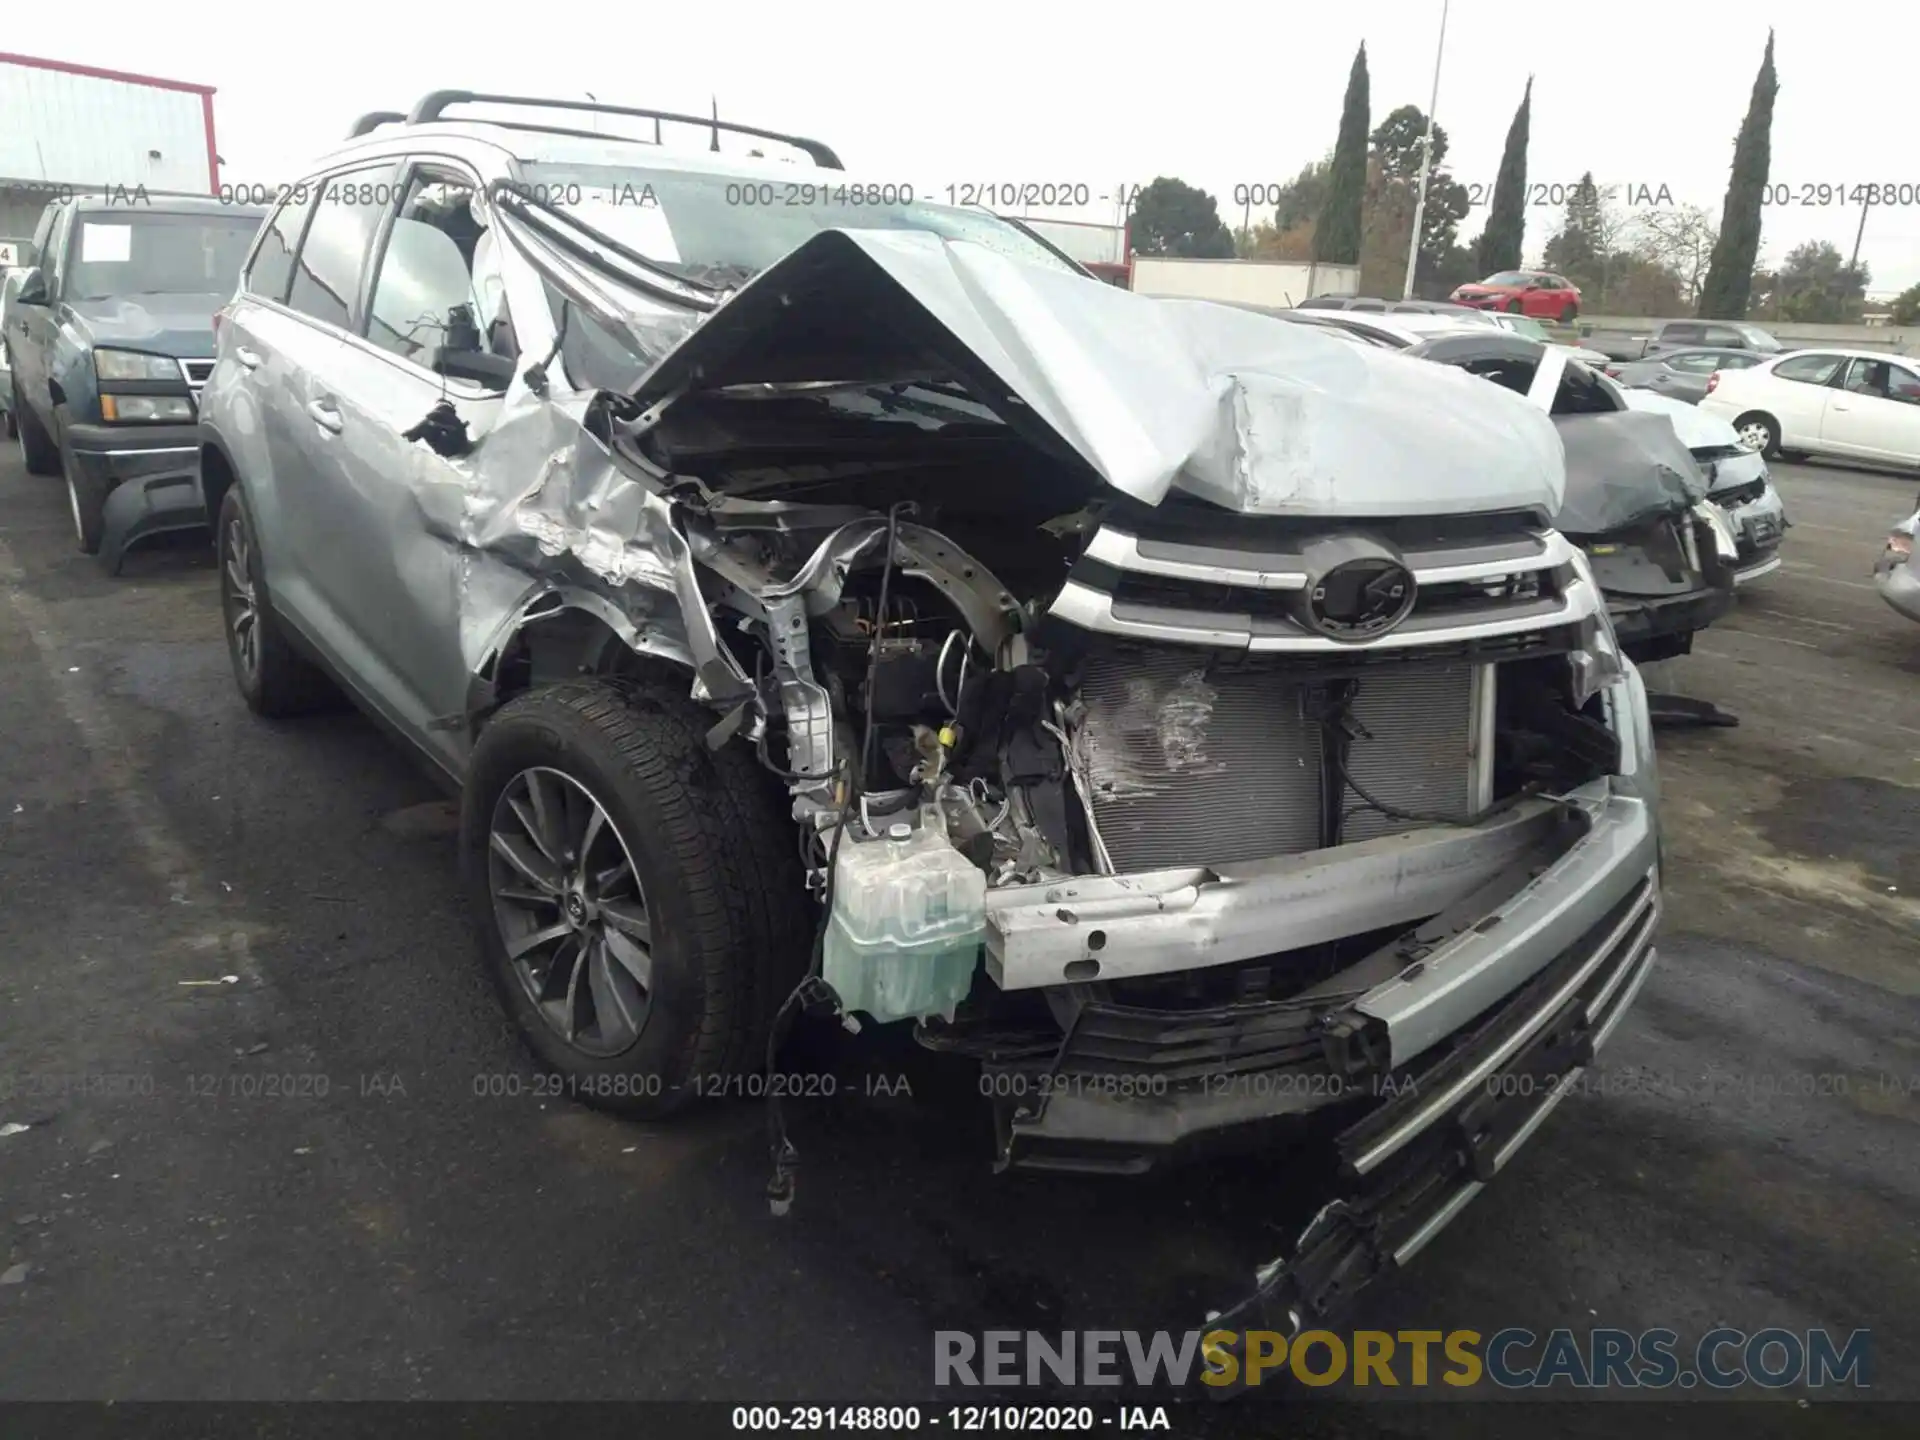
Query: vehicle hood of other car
1623,469
1714,442
176,325
1241,409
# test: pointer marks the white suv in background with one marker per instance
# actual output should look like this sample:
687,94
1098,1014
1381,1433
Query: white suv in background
1860,404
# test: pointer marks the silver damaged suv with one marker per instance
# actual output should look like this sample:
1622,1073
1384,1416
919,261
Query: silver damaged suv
829,602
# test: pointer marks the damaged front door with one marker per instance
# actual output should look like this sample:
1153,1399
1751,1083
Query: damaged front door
414,391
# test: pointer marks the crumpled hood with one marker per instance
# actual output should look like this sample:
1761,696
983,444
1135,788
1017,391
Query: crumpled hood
1732,465
1623,468
177,325
1697,429
1241,409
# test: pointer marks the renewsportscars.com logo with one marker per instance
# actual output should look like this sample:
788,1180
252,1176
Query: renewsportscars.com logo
1511,1359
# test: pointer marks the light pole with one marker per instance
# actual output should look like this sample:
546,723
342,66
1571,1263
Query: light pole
1426,160
1853,265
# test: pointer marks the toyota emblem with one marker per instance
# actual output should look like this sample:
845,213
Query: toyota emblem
1360,599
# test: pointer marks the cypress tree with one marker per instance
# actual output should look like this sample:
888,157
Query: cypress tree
1501,241
1336,238
1729,280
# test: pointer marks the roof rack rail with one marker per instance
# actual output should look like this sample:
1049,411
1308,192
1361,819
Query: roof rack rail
433,107
373,120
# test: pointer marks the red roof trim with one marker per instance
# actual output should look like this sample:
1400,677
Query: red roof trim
213,151
126,76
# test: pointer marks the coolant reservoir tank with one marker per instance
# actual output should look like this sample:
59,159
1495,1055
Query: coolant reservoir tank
909,918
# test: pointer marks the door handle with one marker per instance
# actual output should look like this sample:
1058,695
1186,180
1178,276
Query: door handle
325,416
247,358
1844,409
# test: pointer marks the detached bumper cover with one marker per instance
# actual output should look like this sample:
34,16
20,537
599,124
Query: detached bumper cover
1131,1086
1415,1163
152,475
1637,620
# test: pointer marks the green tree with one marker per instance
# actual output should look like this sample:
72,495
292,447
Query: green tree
1505,233
1730,274
1396,142
1393,173
1336,238
1587,248
1815,286
1303,197
1171,217
1906,307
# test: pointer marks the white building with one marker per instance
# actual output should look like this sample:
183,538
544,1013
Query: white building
66,128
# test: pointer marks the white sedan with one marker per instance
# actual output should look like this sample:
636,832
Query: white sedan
1860,404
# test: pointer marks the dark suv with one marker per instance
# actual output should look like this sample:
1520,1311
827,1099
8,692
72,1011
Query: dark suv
110,337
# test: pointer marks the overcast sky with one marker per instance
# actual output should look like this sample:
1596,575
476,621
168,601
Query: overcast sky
1640,93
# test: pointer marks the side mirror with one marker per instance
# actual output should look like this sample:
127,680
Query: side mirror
33,288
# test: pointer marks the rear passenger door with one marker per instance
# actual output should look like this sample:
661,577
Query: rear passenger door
308,546
435,329
247,402
1796,391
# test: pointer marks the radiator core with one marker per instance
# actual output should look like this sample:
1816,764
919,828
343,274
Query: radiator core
1196,760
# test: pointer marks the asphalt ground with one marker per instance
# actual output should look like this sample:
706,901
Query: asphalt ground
334,1175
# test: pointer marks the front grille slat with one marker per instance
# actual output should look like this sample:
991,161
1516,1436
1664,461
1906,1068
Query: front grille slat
1230,592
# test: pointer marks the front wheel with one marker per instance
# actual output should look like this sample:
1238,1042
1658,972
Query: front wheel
1514,307
639,898
1569,313
1759,433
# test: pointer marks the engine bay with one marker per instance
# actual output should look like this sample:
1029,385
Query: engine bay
893,569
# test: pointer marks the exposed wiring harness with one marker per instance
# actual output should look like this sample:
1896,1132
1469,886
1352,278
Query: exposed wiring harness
813,992
952,702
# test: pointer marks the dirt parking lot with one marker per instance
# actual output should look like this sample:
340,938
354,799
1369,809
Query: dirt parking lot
280,1144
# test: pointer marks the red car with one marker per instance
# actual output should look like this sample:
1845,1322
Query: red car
1538,293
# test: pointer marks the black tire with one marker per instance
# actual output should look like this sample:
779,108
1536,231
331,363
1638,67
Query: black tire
1514,307
713,849
87,498
276,680
1760,420
37,449
1569,313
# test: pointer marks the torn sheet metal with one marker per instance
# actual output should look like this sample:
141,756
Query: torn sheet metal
564,527
1239,408
1622,469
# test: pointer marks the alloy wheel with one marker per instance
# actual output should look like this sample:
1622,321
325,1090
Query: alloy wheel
238,599
1755,436
571,912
